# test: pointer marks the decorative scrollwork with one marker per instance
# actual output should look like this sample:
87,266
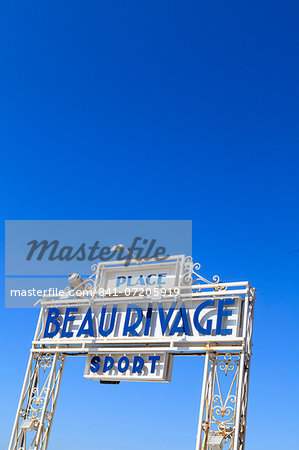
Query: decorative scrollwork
191,276
35,413
223,404
47,361
227,363
66,292
87,286
94,267
37,403
38,400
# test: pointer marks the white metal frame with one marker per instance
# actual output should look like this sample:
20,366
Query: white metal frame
224,398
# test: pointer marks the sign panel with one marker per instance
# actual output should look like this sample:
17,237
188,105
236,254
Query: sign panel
145,303
129,366
162,320
145,279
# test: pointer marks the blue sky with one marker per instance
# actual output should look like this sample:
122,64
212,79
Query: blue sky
159,110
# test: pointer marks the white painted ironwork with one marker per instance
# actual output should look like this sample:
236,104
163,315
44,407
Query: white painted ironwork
224,398
38,401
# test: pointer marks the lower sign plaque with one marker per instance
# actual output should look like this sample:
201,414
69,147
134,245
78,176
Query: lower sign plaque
129,366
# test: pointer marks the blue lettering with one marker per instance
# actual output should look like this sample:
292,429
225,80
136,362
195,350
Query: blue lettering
123,368
120,280
160,276
108,363
154,359
95,364
140,281
184,328
67,319
87,320
222,313
53,313
138,364
112,321
129,281
200,329
148,320
132,328
165,320
148,279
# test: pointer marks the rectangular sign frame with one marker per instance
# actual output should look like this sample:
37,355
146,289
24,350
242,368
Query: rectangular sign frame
157,366
116,278
193,290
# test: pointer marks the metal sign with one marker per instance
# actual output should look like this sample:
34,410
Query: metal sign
146,279
144,302
122,319
188,320
129,366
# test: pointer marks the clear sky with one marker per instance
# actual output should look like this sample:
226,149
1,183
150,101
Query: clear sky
159,110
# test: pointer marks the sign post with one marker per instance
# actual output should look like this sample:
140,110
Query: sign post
130,322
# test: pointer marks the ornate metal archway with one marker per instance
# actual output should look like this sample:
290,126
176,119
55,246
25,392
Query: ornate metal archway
223,406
